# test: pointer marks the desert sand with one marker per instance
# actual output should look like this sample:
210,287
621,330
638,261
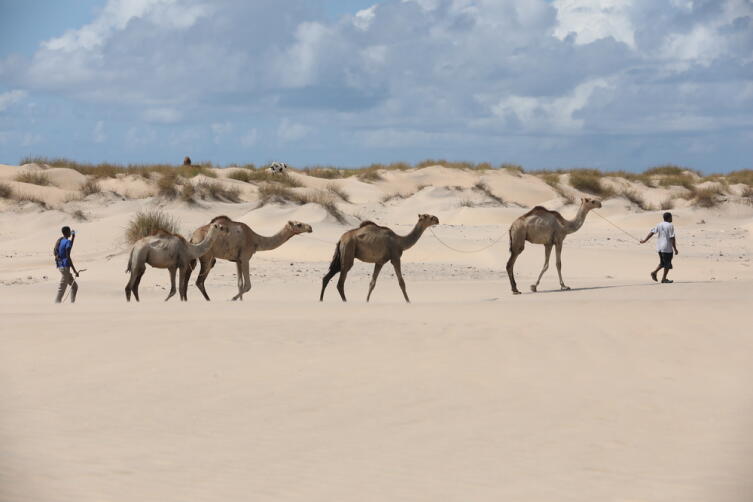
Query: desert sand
618,390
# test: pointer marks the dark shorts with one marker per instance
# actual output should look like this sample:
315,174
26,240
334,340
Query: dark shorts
665,260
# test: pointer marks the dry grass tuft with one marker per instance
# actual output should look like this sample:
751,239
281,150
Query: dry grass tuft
150,222
327,201
667,204
216,191
79,215
747,195
707,197
244,176
34,178
188,192
90,187
637,199
6,191
589,180
514,169
486,190
328,173
338,192
668,170
467,203
25,197
269,193
167,185
681,180
744,176
391,196
371,174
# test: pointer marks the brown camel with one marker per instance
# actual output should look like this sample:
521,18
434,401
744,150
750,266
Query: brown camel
542,226
170,251
375,244
239,245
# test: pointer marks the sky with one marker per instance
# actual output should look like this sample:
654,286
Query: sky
608,84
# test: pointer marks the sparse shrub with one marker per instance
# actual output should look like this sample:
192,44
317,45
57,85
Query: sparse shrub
26,197
668,170
150,222
467,203
551,179
79,215
217,191
6,191
244,176
514,169
276,193
484,166
265,175
90,187
636,198
323,172
747,195
589,180
371,174
34,178
667,204
338,191
188,192
327,201
167,185
707,197
391,196
486,190
744,176
682,180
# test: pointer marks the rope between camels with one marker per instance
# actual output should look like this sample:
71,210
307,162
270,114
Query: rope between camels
617,226
469,251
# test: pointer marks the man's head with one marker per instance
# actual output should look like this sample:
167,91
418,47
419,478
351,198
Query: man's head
668,217
66,231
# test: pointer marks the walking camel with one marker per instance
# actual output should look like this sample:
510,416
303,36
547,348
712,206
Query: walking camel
238,245
170,251
375,244
542,226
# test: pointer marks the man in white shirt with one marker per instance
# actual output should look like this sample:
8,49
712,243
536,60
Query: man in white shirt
665,244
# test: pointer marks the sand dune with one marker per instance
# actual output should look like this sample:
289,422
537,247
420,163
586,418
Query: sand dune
621,389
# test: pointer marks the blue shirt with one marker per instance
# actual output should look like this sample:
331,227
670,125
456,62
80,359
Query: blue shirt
63,249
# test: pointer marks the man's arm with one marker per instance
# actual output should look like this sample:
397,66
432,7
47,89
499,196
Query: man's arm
70,260
674,245
650,234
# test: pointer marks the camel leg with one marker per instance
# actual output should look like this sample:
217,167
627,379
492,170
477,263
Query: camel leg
172,283
377,269
400,280
244,279
347,258
325,281
183,283
129,285
559,265
514,253
547,252
206,266
139,274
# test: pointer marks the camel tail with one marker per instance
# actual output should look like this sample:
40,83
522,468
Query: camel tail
334,268
130,259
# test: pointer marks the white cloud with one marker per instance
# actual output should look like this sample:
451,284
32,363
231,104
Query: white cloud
363,18
595,19
220,130
11,97
98,134
289,131
162,115
250,138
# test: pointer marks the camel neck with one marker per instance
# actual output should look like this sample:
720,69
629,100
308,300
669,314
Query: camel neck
274,241
407,241
202,247
577,222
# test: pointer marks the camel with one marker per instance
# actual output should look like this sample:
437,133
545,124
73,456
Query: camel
542,226
170,251
375,244
239,245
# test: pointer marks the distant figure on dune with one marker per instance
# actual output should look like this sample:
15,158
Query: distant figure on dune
278,167
64,263
186,160
665,243
542,226
372,243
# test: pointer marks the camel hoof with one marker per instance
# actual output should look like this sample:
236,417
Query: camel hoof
516,292
533,288
565,288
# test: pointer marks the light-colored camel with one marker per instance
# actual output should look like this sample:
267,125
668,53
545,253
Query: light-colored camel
542,226
375,244
170,251
239,245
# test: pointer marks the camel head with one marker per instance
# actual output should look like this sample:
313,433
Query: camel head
589,203
217,228
427,220
298,228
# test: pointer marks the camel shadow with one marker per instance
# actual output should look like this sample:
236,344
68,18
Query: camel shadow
590,288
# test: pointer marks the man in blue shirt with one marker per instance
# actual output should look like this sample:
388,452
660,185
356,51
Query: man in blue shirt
64,263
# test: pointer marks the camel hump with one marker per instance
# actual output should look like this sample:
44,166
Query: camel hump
542,210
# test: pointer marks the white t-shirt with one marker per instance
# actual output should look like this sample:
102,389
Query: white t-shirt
665,232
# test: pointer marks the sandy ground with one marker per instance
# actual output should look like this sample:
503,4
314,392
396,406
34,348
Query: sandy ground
619,390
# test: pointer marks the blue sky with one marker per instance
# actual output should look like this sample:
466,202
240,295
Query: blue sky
611,84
